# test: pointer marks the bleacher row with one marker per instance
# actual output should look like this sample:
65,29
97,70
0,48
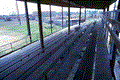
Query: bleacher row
55,62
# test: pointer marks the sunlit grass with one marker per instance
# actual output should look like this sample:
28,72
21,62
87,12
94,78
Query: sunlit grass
34,27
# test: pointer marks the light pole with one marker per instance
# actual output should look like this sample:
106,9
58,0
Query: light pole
18,16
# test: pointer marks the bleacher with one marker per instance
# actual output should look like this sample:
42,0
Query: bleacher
34,63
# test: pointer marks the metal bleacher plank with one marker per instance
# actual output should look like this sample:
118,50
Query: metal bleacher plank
28,59
29,51
28,72
22,66
25,56
65,46
85,67
41,73
65,68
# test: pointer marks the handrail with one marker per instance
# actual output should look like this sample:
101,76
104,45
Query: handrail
111,17
114,22
114,37
12,43
112,11
12,47
15,41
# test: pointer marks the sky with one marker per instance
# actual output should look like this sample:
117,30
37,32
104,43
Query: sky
9,6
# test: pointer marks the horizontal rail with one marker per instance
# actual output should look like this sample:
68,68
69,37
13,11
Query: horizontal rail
19,44
12,43
112,11
15,41
5,49
11,48
114,22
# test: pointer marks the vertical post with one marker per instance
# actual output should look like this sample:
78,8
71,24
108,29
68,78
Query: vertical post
40,23
18,16
62,17
104,12
106,28
80,16
111,40
27,18
112,62
69,18
50,19
85,13
102,19
11,46
114,10
118,12
107,12
108,15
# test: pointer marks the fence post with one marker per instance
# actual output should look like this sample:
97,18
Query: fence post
11,46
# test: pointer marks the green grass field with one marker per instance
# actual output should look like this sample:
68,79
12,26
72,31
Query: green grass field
34,26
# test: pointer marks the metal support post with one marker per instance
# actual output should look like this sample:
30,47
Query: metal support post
28,23
80,16
40,23
50,19
69,18
85,14
62,17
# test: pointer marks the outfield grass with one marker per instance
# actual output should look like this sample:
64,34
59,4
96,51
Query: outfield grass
34,26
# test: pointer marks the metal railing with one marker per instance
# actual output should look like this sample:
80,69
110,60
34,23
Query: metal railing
110,18
112,14
10,46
